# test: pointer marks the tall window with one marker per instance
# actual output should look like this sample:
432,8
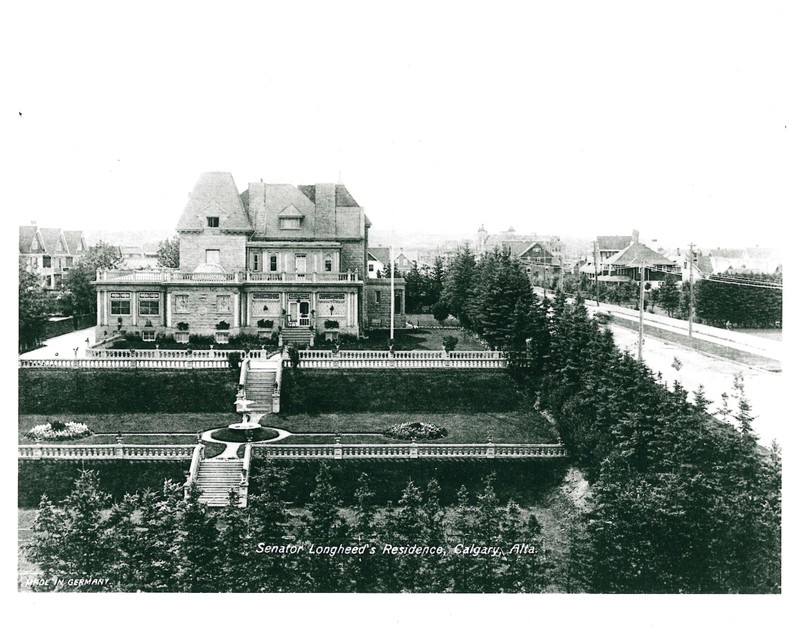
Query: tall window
255,260
328,263
300,263
149,304
213,221
212,256
378,297
47,262
120,304
273,263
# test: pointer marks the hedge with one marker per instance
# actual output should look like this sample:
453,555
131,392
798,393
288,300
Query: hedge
56,478
524,480
438,391
44,391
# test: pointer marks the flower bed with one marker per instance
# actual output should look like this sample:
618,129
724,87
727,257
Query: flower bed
416,430
59,431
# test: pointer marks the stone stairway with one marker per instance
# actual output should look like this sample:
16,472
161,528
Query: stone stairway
259,387
215,479
300,336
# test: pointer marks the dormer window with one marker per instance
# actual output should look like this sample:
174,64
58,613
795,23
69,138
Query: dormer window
290,223
213,222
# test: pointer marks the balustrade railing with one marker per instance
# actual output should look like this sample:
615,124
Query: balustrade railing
167,275
402,359
106,451
411,450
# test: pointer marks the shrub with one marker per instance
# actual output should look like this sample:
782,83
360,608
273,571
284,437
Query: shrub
183,326
416,430
59,431
449,343
234,359
223,326
265,324
331,324
197,339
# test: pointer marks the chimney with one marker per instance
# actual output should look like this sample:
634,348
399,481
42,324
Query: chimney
635,235
325,215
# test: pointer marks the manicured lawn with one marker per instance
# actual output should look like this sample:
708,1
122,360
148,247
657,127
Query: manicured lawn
109,424
461,428
411,339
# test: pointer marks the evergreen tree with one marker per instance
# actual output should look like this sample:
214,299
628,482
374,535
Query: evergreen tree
200,561
669,296
324,526
169,253
458,283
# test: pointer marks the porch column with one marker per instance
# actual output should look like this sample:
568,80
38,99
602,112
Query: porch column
349,309
247,311
236,310
169,309
99,307
134,307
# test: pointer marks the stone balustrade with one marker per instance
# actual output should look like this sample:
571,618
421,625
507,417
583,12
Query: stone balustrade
410,450
318,359
122,363
106,451
171,275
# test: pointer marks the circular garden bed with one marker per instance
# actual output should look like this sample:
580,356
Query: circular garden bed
244,435
416,431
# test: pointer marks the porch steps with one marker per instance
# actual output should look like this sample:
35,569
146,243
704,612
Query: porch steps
296,335
259,387
215,479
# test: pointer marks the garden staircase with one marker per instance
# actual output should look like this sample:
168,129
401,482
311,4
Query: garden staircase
260,387
216,477
299,336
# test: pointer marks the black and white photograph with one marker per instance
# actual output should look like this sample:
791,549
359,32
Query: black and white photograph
320,300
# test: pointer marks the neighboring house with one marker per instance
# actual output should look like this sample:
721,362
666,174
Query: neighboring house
625,265
542,259
50,252
140,257
699,269
378,260
288,258
751,259
541,256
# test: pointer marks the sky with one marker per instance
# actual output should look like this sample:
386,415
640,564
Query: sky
567,118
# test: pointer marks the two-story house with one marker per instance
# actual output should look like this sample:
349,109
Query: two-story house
50,253
275,257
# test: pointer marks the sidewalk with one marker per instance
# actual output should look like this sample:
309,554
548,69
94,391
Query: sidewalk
742,341
63,347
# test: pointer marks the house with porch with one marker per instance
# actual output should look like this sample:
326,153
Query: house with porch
275,258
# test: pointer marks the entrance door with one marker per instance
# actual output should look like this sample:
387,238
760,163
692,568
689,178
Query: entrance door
305,321
294,312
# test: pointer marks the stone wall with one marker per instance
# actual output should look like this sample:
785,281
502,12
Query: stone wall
377,293
231,249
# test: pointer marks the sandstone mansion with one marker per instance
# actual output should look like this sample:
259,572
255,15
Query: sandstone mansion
275,259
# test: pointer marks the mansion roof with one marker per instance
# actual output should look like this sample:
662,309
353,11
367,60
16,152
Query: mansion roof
321,211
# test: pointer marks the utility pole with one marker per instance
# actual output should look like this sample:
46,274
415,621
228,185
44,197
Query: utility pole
641,309
596,280
691,287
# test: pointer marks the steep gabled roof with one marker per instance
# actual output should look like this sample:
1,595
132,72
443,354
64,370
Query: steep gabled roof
636,255
26,236
547,248
51,236
613,243
381,254
343,197
215,195
73,239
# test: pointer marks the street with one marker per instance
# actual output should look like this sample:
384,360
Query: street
764,389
